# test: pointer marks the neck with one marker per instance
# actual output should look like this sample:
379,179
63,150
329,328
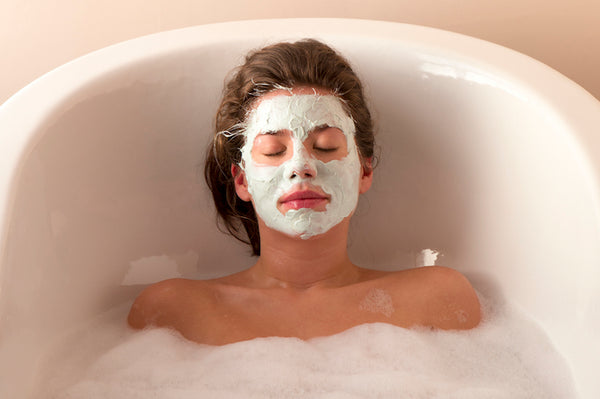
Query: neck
291,262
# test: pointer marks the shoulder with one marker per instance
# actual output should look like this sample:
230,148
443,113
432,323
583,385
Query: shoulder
445,297
161,304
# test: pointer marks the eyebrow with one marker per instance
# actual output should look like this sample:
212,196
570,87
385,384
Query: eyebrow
321,128
316,129
273,132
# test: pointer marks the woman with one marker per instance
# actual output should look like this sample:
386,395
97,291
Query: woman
292,153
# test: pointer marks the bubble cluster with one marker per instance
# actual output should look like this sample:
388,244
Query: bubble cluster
378,301
507,356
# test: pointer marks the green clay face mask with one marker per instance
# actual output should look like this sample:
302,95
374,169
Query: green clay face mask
339,179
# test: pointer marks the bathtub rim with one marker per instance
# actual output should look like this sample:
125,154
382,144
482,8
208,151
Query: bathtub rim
34,106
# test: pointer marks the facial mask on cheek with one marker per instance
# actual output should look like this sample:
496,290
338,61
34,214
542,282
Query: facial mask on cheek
339,178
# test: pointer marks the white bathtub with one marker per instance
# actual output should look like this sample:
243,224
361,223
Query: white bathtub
487,155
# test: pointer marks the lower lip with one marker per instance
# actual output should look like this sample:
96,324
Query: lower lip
311,203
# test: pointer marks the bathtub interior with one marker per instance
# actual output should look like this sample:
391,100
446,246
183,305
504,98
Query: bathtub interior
474,162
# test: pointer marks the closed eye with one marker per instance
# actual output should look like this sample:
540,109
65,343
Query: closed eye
274,154
321,149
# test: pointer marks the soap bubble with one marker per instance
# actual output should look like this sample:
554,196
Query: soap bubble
507,356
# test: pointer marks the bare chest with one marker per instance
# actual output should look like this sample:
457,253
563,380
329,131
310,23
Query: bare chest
246,314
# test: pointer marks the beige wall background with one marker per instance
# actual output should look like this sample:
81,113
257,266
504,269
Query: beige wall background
39,35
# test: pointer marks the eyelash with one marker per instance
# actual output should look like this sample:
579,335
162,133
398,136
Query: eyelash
325,149
276,154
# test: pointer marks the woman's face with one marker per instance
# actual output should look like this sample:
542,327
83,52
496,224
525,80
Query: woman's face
301,165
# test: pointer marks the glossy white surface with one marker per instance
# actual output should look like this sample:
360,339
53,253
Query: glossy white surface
487,156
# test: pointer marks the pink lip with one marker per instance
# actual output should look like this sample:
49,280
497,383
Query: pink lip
302,195
303,199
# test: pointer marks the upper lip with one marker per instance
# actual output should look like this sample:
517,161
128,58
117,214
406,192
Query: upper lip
302,195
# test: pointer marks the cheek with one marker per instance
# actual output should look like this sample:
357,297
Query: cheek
264,174
265,183
343,178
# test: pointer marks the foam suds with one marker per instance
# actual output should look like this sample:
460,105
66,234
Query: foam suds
507,356
378,301
427,257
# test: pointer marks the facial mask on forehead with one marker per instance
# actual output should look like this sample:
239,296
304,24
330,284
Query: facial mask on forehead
301,114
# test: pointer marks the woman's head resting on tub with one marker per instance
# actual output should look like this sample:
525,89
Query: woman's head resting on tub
284,97
291,154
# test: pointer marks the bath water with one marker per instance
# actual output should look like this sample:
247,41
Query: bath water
507,356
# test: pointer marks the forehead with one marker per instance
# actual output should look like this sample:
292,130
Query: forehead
298,110
299,90
267,99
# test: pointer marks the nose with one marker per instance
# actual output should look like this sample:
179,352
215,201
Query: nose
302,165
306,171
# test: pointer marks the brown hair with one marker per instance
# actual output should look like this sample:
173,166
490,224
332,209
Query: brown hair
306,62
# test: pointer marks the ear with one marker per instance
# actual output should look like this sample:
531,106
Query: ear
241,185
366,176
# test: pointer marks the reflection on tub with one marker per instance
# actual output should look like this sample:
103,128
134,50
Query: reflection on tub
152,269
